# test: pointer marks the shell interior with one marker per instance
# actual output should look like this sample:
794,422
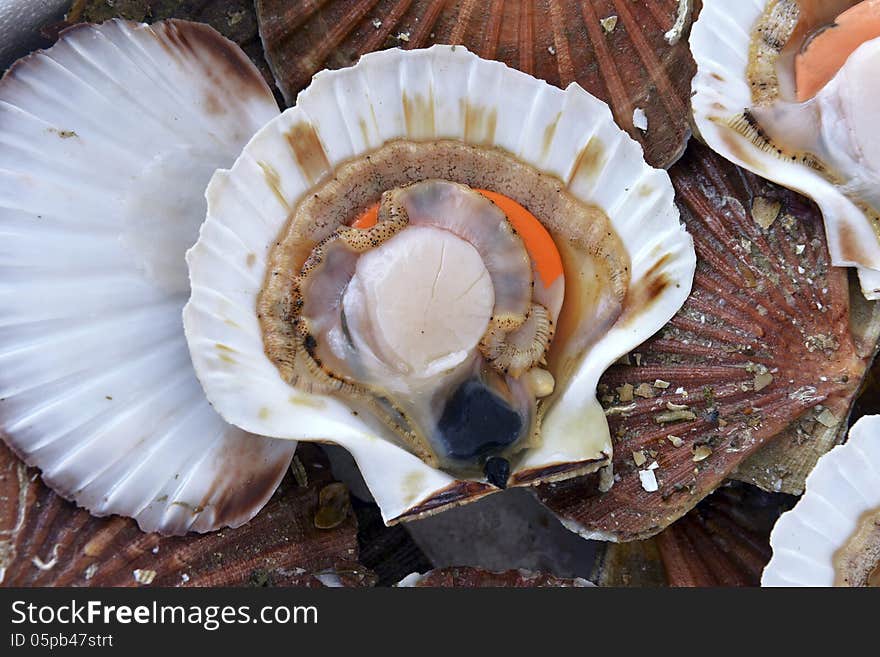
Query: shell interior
830,537
107,140
823,147
399,105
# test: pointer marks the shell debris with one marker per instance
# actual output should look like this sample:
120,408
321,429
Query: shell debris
609,23
142,576
675,33
645,391
762,380
640,119
625,392
765,211
827,419
701,453
649,480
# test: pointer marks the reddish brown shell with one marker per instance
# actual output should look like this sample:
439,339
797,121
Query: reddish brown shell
47,541
616,49
466,577
763,340
724,541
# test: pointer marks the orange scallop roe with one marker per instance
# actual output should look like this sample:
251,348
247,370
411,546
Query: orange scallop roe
538,242
828,51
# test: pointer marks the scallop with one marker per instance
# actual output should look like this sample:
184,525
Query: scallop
433,275
45,541
832,536
633,55
752,379
108,140
788,89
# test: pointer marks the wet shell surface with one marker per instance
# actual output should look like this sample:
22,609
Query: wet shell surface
832,536
724,541
449,99
234,19
633,55
767,342
466,577
106,142
47,541
820,148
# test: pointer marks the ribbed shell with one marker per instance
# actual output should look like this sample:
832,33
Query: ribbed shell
757,305
234,19
46,541
107,140
633,55
467,577
843,492
724,541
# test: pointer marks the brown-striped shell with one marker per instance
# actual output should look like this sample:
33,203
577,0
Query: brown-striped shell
724,541
47,541
234,19
762,347
633,55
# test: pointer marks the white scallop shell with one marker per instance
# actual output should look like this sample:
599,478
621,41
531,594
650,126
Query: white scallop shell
353,111
720,41
843,486
107,141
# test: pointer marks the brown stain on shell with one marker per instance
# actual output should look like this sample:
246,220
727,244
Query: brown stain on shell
213,105
223,61
643,293
480,123
589,162
308,151
273,180
418,114
733,142
850,245
549,134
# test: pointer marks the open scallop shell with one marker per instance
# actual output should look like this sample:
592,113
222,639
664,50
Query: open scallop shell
844,485
633,55
106,142
46,541
441,92
720,41
767,342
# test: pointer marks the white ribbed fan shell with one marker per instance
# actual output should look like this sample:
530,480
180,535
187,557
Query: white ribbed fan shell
720,41
107,141
843,486
355,110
